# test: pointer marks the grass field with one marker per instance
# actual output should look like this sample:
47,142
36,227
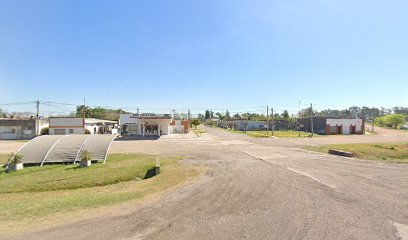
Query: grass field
397,152
118,168
199,131
279,134
4,158
36,195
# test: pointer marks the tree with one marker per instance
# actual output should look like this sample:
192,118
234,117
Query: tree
201,117
396,119
393,120
397,110
207,114
99,112
285,114
227,116
220,116
306,112
195,123
236,116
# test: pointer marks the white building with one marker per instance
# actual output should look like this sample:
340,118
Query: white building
344,126
151,125
75,125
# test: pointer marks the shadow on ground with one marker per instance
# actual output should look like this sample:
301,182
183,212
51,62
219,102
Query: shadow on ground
133,137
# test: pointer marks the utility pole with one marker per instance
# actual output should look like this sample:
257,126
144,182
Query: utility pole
137,111
83,115
37,120
372,120
273,124
311,118
267,120
299,119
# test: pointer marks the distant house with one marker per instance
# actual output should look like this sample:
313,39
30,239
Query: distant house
332,126
151,125
15,129
75,125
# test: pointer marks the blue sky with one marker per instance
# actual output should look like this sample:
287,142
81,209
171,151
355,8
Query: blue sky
235,54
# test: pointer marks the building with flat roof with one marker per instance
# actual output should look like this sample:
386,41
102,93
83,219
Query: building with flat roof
76,125
332,125
18,129
151,125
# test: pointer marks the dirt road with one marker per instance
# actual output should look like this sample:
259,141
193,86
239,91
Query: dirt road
259,189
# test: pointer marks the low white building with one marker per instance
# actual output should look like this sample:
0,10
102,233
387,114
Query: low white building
145,125
75,125
344,126
151,125
99,126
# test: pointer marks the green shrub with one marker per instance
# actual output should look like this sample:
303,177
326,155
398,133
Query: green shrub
45,131
86,155
15,158
392,121
87,131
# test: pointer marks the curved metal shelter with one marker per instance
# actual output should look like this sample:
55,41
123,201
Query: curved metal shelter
65,148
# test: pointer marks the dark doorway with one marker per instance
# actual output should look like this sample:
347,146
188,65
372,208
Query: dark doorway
339,129
353,129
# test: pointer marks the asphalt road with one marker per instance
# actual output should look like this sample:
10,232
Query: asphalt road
258,189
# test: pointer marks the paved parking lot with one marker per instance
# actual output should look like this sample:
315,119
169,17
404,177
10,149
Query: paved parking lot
258,189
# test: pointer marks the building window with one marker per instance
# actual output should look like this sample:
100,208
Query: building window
71,131
13,130
131,127
333,129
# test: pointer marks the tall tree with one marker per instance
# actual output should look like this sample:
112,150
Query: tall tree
285,114
227,116
220,116
99,112
207,114
400,110
237,116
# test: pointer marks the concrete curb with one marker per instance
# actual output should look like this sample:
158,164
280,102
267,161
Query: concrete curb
341,153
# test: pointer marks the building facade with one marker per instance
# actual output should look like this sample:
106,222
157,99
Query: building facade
18,129
151,125
75,125
332,126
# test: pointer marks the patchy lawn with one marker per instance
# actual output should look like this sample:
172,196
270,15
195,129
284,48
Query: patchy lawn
4,158
390,152
199,131
35,195
279,134
118,168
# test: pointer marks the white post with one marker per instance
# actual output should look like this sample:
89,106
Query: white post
158,129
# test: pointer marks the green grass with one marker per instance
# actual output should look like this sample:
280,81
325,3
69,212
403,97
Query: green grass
4,158
37,195
279,134
199,131
118,168
396,152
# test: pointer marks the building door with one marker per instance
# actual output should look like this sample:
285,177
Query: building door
59,131
339,129
353,129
